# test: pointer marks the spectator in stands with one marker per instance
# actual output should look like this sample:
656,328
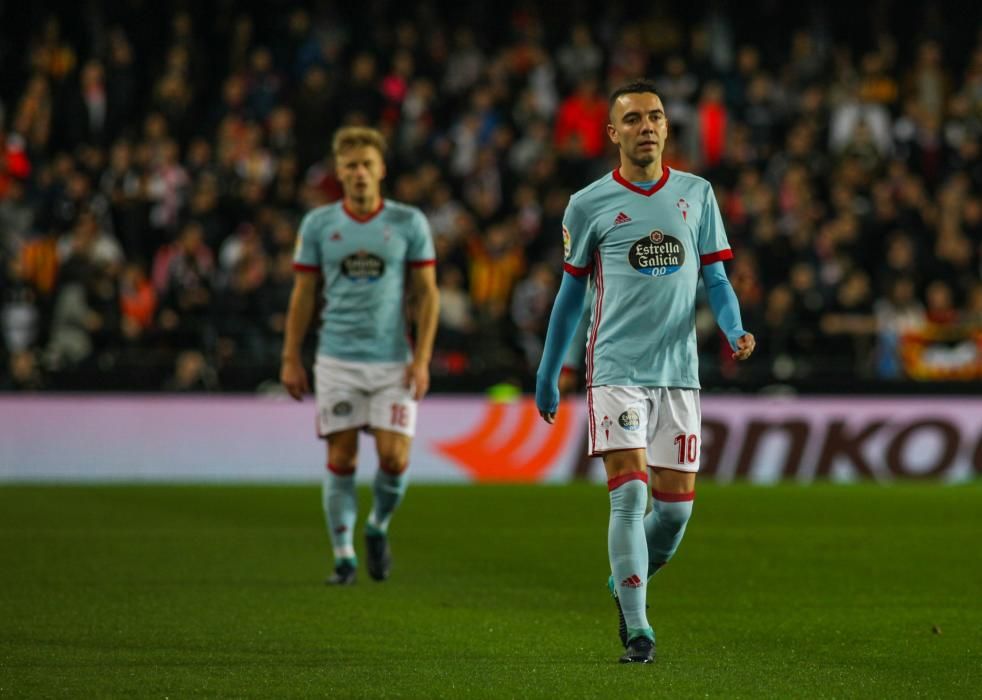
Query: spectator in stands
457,320
137,303
186,287
530,307
580,136
898,313
191,373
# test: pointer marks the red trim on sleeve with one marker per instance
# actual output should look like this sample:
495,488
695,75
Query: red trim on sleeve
624,478
300,267
673,497
710,258
620,179
361,219
421,263
567,369
578,271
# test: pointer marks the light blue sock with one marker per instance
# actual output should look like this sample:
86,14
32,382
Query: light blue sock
627,551
389,489
664,527
341,512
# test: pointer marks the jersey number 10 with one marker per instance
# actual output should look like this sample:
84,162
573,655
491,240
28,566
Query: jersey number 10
688,448
400,416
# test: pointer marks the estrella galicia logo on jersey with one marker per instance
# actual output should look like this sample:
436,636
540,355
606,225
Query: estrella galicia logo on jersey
342,408
630,420
657,254
362,267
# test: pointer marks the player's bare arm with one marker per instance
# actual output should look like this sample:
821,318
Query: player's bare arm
426,311
302,301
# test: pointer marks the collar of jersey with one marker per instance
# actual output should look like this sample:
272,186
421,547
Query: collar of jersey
634,188
361,219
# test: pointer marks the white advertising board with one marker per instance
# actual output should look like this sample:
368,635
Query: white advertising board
466,439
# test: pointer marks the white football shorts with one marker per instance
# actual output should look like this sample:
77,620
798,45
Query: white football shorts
362,395
665,422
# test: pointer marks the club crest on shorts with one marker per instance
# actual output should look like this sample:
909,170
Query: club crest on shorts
630,420
657,254
605,424
342,408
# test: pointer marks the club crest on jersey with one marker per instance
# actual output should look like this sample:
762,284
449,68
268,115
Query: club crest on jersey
657,254
630,420
567,243
684,208
362,267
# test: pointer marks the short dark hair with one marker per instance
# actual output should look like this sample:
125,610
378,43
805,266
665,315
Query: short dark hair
635,86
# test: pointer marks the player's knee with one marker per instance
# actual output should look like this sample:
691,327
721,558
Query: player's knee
341,461
631,500
342,453
341,466
393,463
674,516
628,500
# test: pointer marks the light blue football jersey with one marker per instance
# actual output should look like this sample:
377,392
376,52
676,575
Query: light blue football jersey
644,248
364,261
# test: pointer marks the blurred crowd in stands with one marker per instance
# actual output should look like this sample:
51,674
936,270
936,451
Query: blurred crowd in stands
155,163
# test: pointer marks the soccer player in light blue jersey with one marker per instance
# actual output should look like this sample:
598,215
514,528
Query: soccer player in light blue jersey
646,234
368,377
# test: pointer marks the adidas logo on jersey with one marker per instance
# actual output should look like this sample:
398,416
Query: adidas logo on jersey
336,236
622,218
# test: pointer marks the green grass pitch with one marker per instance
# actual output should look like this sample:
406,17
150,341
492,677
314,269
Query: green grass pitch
497,592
